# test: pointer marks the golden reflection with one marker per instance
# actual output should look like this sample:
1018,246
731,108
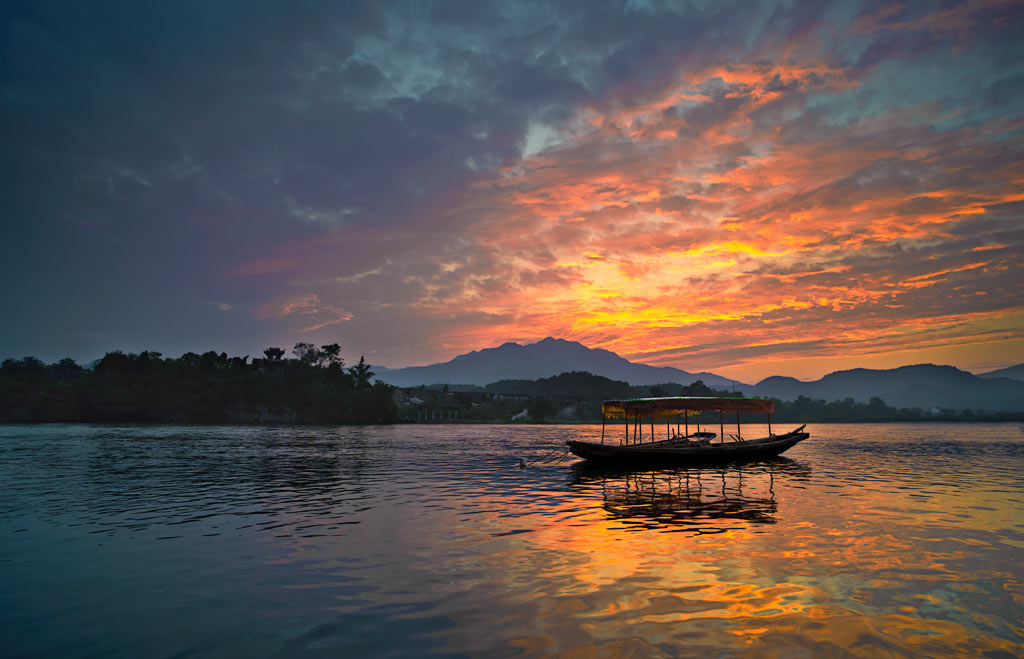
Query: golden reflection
682,556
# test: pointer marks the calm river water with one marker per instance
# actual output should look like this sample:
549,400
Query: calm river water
863,541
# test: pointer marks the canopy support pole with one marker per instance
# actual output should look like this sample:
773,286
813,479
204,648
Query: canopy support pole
769,424
686,418
739,435
602,427
721,426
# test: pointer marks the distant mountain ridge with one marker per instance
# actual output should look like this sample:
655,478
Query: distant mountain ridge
543,359
925,386
1012,372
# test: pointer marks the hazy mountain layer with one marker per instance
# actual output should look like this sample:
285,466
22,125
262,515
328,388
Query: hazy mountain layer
924,385
1012,372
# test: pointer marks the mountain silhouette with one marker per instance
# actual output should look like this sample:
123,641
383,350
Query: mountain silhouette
926,386
1012,372
543,359
923,385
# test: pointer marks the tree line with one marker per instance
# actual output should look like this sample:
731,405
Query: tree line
313,388
316,388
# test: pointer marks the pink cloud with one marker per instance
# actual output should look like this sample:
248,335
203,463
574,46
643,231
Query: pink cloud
308,309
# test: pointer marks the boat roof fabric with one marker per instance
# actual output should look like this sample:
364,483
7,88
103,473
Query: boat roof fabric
666,407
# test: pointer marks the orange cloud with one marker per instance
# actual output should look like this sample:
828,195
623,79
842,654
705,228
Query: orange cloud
674,223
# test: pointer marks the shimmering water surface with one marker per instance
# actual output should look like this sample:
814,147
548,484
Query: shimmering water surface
866,541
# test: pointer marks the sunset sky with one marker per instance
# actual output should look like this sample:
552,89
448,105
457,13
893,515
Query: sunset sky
746,188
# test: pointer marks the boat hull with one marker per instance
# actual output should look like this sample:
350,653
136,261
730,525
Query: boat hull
614,454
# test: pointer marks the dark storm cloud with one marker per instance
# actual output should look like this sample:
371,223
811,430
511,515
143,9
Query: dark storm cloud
148,147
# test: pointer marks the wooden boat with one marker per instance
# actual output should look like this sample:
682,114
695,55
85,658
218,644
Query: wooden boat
682,447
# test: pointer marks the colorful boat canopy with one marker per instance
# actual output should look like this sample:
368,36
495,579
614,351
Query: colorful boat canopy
688,405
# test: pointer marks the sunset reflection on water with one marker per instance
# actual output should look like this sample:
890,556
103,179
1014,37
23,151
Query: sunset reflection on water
428,540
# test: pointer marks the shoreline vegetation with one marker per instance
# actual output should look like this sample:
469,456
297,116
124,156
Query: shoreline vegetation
315,388
211,388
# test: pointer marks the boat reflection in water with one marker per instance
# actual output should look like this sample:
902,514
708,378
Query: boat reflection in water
694,500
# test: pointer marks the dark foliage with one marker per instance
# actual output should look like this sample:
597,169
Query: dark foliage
207,388
541,409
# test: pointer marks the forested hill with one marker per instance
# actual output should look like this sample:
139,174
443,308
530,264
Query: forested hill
575,384
583,386
207,388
